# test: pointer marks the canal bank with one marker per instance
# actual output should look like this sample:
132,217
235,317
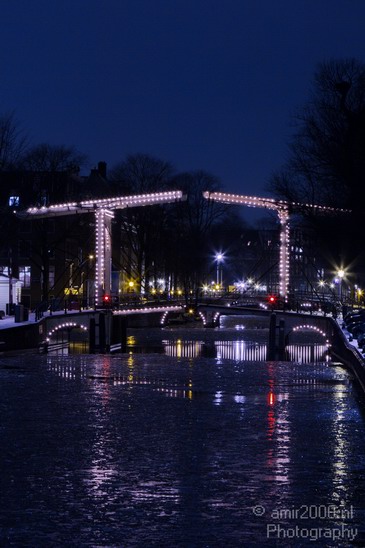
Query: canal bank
21,335
103,331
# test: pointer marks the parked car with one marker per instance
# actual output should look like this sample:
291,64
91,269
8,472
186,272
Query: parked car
356,329
361,339
353,321
354,314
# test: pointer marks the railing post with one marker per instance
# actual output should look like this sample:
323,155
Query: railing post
281,342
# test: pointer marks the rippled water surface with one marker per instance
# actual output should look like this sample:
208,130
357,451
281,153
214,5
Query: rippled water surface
180,448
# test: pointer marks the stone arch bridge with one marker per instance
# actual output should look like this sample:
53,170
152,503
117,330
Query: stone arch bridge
282,325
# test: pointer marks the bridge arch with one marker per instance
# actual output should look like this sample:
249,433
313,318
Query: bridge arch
64,326
307,327
210,318
164,318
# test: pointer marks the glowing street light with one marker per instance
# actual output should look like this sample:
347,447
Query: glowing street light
340,276
359,293
219,258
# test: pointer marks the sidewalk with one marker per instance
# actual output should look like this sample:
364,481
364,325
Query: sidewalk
9,321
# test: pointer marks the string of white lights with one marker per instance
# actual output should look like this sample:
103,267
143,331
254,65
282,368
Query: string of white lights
311,328
117,202
65,325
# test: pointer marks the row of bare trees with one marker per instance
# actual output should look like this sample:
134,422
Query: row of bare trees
326,160
174,241
326,165
17,152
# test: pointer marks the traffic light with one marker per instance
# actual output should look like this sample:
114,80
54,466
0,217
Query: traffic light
107,299
272,300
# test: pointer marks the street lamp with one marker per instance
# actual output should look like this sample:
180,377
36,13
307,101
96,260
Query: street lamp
87,283
340,276
359,294
219,257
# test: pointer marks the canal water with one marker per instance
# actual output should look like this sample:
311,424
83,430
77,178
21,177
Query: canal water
190,439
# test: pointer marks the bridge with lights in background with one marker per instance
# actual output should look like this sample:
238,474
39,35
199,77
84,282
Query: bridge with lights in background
283,210
103,210
105,331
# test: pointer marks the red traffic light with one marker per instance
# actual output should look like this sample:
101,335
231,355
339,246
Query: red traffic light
107,299
272,299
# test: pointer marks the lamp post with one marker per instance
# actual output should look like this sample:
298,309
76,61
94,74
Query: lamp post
340,275
87,283
219,260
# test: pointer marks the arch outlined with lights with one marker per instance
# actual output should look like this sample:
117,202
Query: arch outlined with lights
65,325
209,320
308,327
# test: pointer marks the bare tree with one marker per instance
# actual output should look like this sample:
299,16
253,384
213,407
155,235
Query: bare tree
13,142
190,239
141,173
326,156
326,163
51,158
142,228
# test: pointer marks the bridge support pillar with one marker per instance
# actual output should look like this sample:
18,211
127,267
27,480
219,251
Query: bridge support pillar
99,334
211,319
276,346
103,219
107,333
271,349
118,338
92,336
281,341
102,334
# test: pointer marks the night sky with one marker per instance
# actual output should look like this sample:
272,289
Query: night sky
207,85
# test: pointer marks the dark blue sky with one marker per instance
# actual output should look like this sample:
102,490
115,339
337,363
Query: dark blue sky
202,84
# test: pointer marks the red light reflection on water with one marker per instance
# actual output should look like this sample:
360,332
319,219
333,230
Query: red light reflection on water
271,401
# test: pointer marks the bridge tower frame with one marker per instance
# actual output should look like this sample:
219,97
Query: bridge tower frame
103,210
283,209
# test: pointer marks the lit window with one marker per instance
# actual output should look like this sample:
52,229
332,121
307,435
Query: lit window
51,276
14,201
24,275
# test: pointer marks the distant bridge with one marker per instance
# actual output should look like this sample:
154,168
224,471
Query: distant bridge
106,328
283,210
281,325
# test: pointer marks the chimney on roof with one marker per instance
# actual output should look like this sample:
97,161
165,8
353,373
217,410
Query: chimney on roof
102,169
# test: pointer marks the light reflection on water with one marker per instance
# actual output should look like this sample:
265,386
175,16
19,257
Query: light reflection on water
177,448
238,350
242,350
